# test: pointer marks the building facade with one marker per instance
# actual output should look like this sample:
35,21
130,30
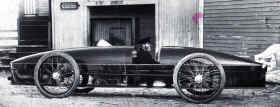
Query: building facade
242,28
81,23
168,22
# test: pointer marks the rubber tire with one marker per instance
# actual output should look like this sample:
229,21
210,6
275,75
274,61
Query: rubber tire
201,55
76,74
202,93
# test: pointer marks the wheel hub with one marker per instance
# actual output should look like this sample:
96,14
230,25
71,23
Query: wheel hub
56,75
198,78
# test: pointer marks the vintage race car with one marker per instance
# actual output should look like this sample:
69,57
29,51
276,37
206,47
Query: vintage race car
198,75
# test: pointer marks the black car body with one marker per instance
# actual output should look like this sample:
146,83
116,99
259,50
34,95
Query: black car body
115,66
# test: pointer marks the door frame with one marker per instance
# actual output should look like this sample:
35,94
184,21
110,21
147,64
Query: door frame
133,25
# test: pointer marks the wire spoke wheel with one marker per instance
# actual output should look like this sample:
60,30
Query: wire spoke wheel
56,75
199,78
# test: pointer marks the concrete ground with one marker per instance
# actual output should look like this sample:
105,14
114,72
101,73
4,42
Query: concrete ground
28,96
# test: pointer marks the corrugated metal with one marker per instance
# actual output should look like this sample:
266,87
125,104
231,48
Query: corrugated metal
43,7
242,28
176,27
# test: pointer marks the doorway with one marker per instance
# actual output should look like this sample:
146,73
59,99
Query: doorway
122,25
118,32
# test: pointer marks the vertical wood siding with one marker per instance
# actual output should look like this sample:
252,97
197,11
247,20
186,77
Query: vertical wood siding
34,7
241,27
30,7
176,27
68,26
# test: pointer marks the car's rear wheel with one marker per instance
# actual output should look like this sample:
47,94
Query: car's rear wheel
199,78
56,75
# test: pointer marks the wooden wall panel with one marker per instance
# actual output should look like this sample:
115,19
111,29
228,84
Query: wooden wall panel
43,7
242,28
176,27
8,40
8,24
175,22
69,29
29,6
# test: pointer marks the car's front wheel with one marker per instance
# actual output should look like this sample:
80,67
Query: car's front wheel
199,78
56,75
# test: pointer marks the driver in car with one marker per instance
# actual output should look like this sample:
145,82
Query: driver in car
144,56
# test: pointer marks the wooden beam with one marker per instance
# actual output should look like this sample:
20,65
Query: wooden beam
118,2
200,23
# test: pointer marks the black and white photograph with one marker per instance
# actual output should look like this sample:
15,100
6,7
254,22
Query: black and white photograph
140,53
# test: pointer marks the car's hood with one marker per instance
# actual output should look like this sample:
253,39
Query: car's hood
96,55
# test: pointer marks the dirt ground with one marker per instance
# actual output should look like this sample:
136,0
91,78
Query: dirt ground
28,96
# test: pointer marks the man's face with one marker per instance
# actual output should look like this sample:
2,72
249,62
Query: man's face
147,47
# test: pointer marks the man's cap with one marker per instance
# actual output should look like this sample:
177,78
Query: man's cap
144,40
